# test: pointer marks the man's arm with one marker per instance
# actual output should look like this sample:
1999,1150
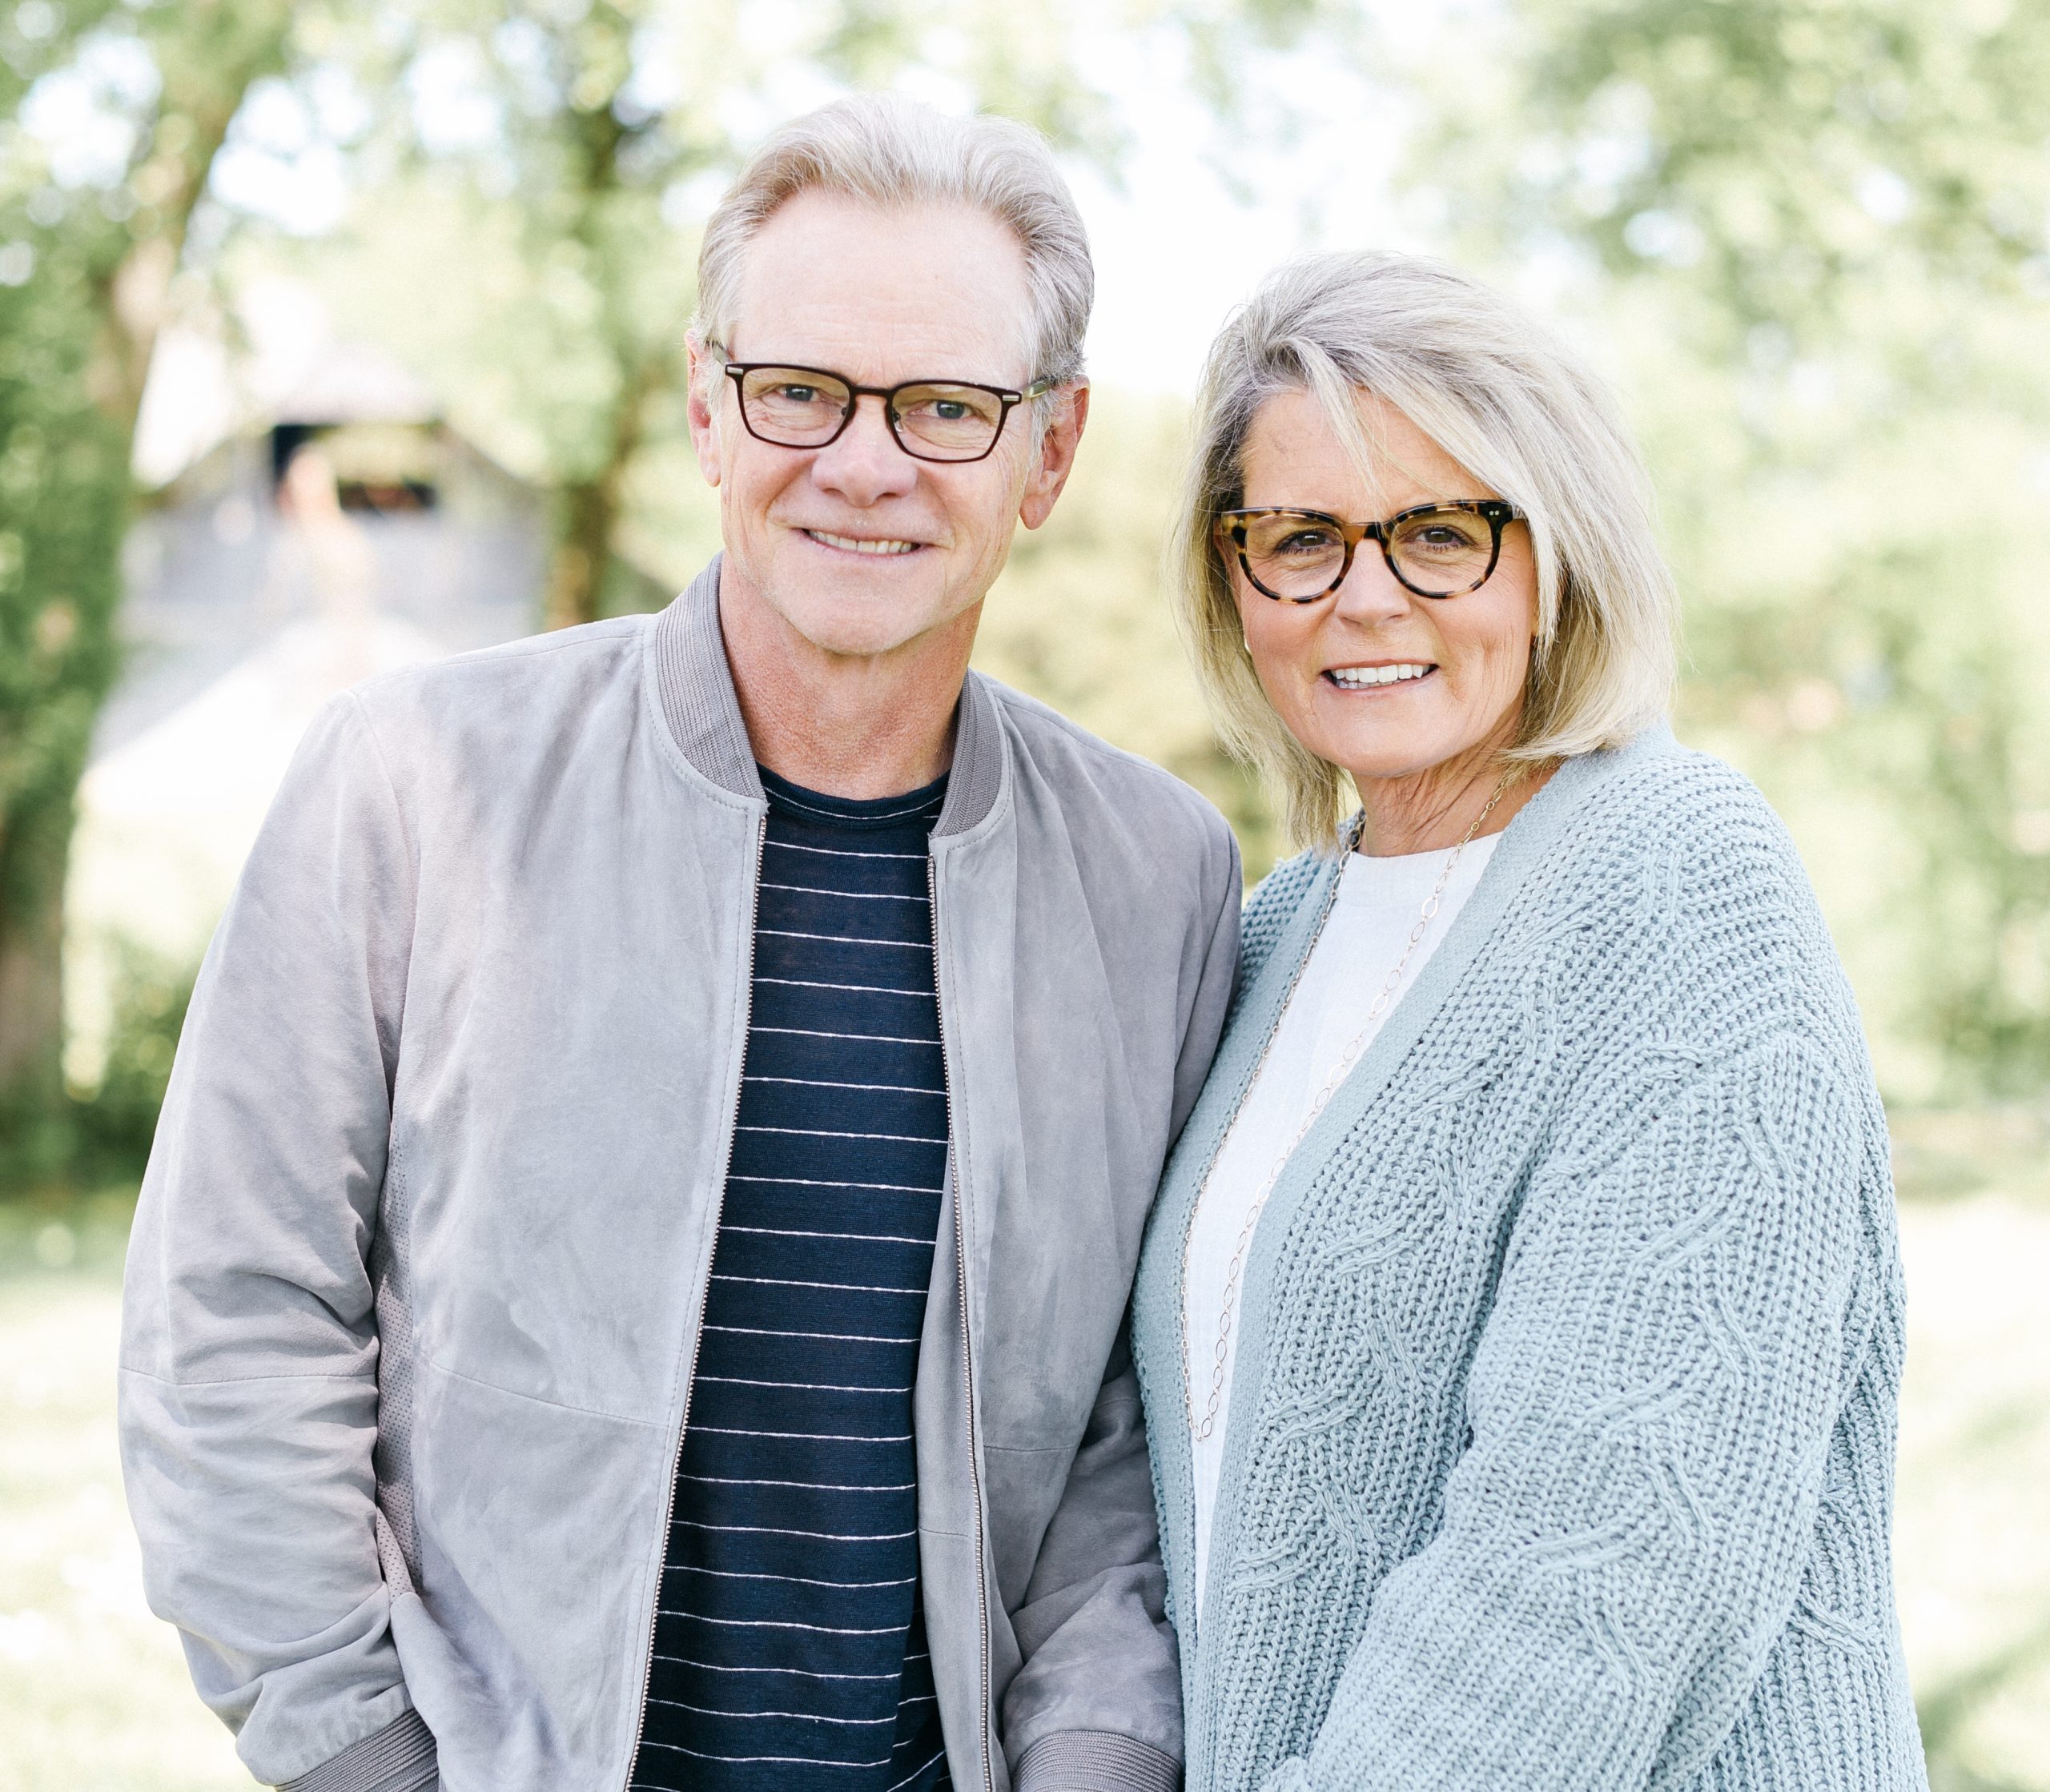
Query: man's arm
249,1348
1096,1707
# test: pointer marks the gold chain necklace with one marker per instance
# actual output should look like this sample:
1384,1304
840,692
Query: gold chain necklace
1201,1428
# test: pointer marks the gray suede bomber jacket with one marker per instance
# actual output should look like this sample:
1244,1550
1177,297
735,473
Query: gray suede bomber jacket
414,1291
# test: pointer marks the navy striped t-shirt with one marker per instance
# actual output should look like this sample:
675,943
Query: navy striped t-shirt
789,1646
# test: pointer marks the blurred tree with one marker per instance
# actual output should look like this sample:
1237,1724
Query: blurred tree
1812,236
116,114
587,138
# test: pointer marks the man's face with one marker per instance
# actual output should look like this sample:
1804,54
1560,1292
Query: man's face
857,546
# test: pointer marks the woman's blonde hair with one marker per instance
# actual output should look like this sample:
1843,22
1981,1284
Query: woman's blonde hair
1514,407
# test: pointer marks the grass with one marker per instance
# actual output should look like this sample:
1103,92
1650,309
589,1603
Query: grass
94,1696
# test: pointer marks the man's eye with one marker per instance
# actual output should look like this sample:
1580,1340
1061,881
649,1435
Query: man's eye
797,394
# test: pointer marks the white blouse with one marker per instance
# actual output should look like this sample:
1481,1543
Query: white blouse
1378,902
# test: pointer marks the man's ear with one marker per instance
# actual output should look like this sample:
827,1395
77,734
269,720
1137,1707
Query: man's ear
1054,458
705,380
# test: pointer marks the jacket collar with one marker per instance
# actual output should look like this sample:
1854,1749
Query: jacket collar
696,687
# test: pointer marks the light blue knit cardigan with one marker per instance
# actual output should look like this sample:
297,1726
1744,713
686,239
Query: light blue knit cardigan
1560,1442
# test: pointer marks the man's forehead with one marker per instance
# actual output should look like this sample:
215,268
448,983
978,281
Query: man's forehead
887,293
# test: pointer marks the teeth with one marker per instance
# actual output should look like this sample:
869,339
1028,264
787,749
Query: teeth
1355,678
858,547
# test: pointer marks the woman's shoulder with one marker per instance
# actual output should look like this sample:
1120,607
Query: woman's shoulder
1665,881
1272,905
1657,808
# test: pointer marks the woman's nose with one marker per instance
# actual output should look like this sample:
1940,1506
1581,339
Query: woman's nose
1370,592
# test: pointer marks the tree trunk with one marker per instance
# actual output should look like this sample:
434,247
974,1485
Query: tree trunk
590,508
34,1138
583,544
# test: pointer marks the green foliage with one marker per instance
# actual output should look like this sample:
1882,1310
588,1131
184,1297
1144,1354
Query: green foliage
1810,239
116,1119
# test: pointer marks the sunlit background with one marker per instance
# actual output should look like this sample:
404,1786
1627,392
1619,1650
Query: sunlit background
336,334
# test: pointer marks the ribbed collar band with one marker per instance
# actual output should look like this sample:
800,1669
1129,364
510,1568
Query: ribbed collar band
696,687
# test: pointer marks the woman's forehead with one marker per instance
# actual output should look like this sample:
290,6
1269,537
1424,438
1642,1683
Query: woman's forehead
1294,455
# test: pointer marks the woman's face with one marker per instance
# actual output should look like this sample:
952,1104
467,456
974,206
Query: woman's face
1469,656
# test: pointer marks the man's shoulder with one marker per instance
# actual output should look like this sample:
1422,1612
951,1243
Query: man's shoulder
1084,769
566,662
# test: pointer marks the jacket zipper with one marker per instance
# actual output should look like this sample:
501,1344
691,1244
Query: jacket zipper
697,1328
967,1349
1238,1102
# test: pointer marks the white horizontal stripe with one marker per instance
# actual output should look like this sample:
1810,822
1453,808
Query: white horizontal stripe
846,939
808,1387
803,1580
810,1486
785,1530
843,852
871,988
836,1337
823,1082
825,1183
782,1624
813,1436
797,1759
915,1773
802,1717
923,805
867,1238
828,1132
788,1282
851,895
806,1674
814,1182
872,1038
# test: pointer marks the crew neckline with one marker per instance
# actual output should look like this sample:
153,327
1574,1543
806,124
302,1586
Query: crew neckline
798,803
1369,877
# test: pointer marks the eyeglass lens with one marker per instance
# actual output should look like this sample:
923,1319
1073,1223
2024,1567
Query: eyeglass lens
1439,554
796,408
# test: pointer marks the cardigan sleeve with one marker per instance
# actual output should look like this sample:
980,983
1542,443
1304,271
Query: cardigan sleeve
1677,1323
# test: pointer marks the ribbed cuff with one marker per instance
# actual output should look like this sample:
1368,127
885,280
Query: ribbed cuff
400,1758
1095,1761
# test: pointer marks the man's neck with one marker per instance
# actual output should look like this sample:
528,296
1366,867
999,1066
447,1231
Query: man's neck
846,724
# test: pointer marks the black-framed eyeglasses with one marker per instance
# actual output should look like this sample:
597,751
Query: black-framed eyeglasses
1436,550
932,419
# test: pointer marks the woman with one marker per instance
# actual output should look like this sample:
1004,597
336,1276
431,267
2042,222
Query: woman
1520,1322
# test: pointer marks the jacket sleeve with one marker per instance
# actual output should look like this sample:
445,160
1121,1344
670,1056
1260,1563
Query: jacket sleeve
1096,1706
249,1348
1680,1315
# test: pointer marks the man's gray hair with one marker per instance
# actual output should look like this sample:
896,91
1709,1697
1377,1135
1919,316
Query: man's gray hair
894,152
1518,411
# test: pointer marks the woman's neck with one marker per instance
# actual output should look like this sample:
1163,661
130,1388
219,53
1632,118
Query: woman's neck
1430,810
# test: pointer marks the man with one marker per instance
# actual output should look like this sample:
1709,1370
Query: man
630,1288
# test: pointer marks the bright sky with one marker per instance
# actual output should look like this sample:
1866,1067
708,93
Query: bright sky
1177,247
1178,240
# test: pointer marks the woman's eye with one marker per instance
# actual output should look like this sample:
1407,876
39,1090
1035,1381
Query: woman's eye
1445,538
1305,541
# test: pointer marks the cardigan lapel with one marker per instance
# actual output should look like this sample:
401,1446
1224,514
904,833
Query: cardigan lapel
1529,837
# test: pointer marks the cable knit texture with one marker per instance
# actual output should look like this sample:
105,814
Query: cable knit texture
1560,1446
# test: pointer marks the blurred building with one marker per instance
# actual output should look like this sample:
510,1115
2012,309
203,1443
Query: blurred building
336,526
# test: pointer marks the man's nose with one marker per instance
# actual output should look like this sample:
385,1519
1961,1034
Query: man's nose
866,463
